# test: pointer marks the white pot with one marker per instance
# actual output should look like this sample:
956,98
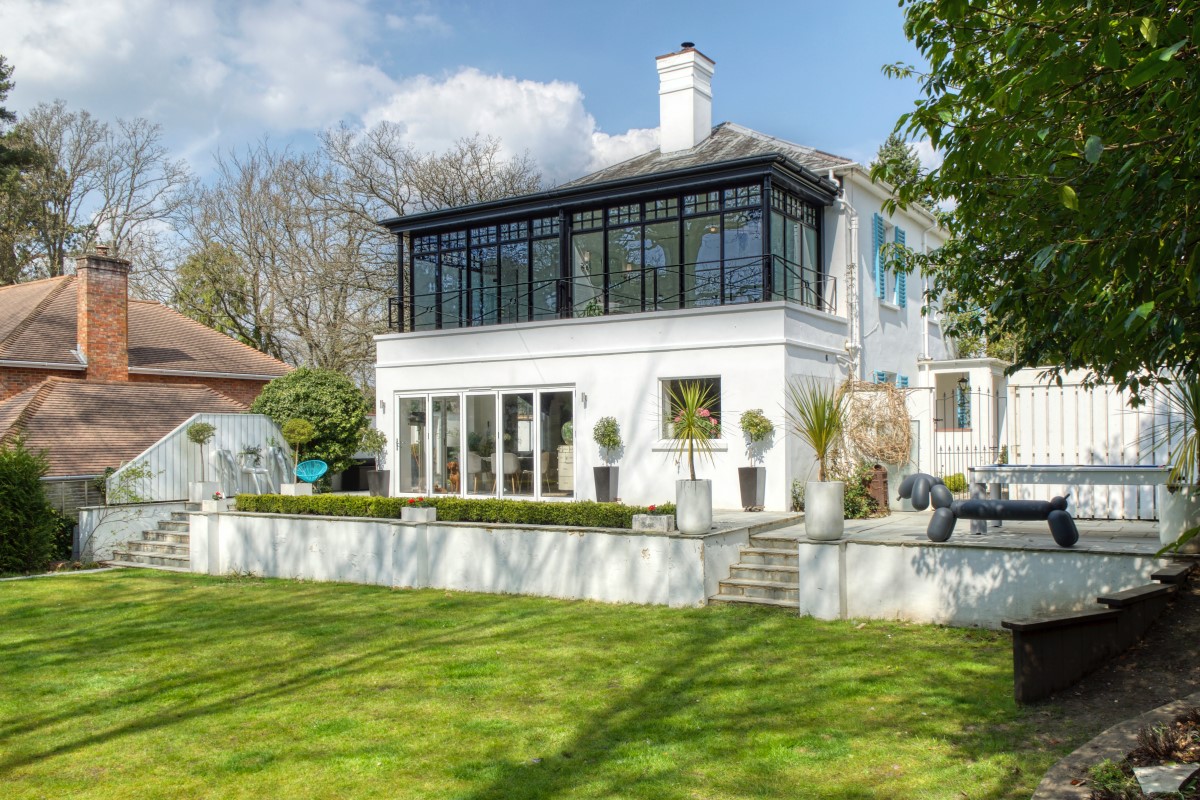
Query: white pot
1177,512
824,510
295,489
693,506
199,491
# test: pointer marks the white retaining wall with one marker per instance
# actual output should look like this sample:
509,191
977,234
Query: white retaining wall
103,527
590,563
965,586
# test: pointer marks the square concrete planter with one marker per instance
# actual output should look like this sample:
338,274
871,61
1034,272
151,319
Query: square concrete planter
653,522
216,505
418,514
295,489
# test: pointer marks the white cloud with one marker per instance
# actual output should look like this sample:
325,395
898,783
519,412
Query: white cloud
219,73
547,120
929,157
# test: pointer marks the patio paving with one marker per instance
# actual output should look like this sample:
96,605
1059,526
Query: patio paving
1129,537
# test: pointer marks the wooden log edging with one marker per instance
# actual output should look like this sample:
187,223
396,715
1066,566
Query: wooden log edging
1113,744
1051,653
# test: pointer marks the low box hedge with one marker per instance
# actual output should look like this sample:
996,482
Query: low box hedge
581,514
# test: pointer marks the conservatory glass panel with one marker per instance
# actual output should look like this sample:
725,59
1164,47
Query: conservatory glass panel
702,261
444,424
545,278
514,282
662,265
410,446
625,270
587,265
555,467
743,256
517,446
478,462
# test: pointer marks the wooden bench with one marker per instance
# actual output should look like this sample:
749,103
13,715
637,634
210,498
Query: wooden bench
986,481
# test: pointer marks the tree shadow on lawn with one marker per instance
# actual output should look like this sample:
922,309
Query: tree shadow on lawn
147,637
655,714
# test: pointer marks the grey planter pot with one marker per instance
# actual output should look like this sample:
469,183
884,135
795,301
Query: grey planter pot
296,489
606,484
693,506
824,510
753,483
378,482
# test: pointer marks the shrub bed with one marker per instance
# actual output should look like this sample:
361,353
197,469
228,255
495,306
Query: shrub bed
582,514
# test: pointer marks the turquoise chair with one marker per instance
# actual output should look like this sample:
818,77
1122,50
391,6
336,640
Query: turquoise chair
311,471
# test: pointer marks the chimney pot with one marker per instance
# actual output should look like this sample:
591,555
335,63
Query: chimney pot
102,249
684,98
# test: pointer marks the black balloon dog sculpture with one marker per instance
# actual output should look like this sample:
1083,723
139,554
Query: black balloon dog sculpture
923,489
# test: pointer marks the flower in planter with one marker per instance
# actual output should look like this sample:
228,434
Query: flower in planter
218,496
419,502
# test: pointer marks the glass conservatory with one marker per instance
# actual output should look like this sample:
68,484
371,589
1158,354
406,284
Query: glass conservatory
600,250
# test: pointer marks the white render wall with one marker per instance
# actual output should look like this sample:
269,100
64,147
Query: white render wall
587,563
893,338
617,363
962,586
101,528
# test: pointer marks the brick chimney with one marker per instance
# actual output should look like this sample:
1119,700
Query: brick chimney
102,322
684,98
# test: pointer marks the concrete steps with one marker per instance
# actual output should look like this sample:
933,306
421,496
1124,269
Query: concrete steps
165,547
767,573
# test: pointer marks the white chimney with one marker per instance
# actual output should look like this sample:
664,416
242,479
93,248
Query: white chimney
684,98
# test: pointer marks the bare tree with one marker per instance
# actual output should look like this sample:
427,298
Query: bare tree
93,182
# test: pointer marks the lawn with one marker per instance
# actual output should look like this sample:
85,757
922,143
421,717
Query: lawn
143,684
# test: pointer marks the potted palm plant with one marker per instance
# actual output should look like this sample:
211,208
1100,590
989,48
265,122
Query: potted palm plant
201,433
817,414
752,480
1179,499
607,435
693,430
374,441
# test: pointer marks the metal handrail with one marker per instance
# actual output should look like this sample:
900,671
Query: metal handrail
654,288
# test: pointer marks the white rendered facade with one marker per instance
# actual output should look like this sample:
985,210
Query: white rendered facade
739,260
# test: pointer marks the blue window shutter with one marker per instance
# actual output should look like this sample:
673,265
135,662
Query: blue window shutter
902,381
901,279
880,376
877,248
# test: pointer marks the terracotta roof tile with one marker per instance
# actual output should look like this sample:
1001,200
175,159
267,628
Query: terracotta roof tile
89,425
38,323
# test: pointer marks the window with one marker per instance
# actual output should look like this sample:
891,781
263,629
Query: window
672,386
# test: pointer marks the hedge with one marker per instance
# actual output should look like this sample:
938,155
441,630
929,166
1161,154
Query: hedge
582,514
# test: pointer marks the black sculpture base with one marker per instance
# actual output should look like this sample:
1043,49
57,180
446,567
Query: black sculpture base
924,489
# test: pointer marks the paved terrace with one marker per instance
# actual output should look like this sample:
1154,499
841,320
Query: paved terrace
1124,537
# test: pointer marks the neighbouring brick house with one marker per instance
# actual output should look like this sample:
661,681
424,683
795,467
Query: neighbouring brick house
95,378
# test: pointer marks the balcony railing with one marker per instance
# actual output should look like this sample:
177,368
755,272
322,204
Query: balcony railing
667,288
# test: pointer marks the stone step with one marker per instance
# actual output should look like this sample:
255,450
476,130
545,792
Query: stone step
766,541
754,601
761,555
160,548
128,557
139,565
766,572
771,590
173,525
165,536
180,516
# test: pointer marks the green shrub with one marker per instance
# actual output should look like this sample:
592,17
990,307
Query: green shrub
327,399
583,514
64,535
798,494
858,502
27,520
956,483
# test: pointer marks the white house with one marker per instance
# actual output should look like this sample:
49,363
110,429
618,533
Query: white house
727,256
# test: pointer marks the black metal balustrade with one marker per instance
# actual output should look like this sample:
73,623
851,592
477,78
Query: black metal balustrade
682,286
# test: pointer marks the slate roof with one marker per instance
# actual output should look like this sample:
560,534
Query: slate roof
37,323
727,142
88,425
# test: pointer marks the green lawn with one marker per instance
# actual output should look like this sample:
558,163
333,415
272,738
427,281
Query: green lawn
140,685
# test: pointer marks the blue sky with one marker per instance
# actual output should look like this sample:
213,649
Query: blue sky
572,83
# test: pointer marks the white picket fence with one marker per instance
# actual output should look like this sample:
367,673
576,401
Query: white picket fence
1072,424
174,461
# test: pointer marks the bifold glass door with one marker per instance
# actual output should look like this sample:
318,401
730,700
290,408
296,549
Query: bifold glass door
506,443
